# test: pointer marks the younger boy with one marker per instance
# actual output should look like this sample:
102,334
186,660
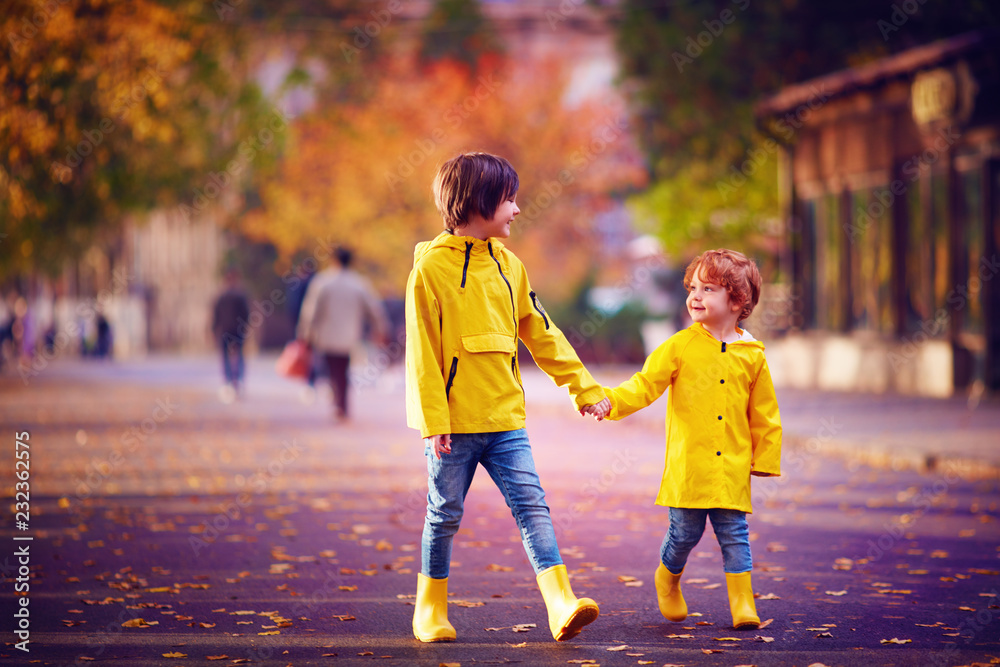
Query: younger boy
468,302
722,427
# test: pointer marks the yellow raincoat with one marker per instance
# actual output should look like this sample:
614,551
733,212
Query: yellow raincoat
722,417
468,301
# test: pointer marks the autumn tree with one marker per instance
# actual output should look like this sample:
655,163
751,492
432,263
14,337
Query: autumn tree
360,173
107,108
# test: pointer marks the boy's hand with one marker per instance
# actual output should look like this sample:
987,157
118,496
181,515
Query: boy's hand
598,410
440,443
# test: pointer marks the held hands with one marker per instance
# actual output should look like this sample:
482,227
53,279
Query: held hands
440,443
598,410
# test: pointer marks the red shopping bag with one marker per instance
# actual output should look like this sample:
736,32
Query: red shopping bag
295,360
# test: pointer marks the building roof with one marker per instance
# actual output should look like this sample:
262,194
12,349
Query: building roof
870,74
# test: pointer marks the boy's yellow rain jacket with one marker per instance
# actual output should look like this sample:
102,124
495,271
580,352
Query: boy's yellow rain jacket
722,417
467,303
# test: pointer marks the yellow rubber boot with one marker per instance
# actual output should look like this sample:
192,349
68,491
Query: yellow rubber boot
741,601
567,614
668,594
430,616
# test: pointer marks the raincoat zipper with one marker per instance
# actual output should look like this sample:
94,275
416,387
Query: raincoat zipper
538,307
451,378
465,268
513,314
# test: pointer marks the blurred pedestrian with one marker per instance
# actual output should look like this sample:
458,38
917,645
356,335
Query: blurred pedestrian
337,305
468,301
230,325
722,427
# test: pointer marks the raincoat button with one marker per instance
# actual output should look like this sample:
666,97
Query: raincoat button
718,453
720,417
722,382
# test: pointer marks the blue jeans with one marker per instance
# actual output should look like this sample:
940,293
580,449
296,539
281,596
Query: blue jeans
232,359
686,528
506,455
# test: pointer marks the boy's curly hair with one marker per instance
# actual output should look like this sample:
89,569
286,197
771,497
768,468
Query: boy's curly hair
732,270
473,184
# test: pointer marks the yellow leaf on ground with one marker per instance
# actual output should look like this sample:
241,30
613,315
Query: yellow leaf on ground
727,639
894,640
623,647
836,593
493,567
175,654
138,623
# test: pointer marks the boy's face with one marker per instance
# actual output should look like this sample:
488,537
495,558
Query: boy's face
499,225
710,304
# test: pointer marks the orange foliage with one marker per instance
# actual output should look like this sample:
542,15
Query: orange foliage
360,173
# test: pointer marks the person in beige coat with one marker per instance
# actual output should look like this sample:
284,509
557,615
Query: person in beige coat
337,304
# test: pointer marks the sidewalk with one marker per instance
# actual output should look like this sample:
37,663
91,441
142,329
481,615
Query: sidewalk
898,432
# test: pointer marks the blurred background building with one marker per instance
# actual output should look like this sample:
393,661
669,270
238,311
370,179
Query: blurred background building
890,184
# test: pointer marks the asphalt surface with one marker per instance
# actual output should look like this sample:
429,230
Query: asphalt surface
262,531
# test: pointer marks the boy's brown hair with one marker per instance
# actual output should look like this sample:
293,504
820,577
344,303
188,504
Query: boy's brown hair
729,269
473,184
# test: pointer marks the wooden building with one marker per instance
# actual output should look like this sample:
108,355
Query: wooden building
889,181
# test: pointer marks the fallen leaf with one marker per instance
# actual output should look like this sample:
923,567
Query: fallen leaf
623,647
696,581
524,627
270,632
521,645
344,617
896,641
711,587
242,613
769,596
727,639
175,654
624,578
493,567
645,662
836,593
383,545
216,657
825,635
843,564
138,623
680,636
939,553
704,623
466,603
633,584
709,651
765,624
966,609
581,662
766,640
348,589
366,653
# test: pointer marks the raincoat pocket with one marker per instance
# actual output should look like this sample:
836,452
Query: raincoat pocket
489,342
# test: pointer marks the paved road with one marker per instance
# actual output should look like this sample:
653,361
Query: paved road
262,531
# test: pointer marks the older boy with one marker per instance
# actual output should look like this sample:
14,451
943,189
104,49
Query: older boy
468,302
